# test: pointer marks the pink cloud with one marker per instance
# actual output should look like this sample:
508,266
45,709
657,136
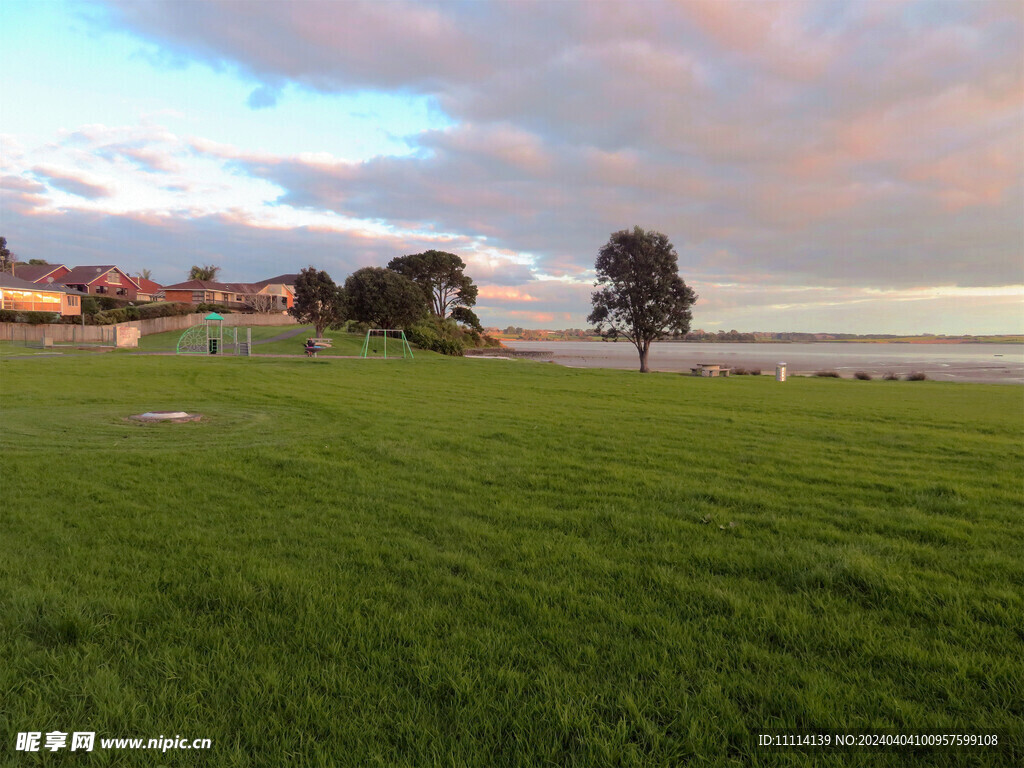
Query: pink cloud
504,293
535,317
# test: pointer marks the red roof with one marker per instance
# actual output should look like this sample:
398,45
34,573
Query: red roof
89,275
148,286
35,272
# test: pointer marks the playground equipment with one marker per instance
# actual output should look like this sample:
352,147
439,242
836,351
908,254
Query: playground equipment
212,338
376,341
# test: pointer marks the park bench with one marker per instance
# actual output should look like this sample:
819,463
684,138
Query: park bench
710,370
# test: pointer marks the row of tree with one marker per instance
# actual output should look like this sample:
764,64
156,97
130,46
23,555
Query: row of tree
411,288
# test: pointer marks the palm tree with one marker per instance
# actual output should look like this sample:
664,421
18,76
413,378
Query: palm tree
209,272
146,274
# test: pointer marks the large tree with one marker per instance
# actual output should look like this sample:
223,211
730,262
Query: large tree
6,257
209,272
318,300
641,296
382,298
441,277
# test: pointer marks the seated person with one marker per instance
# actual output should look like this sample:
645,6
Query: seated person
310,348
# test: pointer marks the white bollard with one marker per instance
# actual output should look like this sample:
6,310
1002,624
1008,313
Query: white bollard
780,372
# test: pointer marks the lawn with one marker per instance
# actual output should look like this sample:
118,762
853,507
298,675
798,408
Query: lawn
168,341
343,344
488,563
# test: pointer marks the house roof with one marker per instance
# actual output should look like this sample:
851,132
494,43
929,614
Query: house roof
35,272
279,280
209,285
201,285
10,281
90,274
148,286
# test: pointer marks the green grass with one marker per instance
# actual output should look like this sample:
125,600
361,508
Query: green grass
343,344
463,562
168,341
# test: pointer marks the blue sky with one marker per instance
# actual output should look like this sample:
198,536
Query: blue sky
839,166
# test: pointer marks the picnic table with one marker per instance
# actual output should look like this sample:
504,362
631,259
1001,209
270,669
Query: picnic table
710,370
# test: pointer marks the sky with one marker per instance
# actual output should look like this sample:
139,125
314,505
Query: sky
823,166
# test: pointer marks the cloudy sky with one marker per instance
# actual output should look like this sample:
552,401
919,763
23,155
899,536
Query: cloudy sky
819,166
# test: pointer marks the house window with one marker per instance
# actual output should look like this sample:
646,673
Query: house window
113,278
101,289
198,297
122,292
72,301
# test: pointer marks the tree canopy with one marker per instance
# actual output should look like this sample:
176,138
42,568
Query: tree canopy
467,317
209,272
441,277
318,300
383,298
641,296
6,257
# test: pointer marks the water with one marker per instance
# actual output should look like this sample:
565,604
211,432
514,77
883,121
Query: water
1002,363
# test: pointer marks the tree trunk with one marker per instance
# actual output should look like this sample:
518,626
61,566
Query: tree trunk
643,349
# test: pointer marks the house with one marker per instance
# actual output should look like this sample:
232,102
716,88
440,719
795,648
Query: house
40,273
106,280
208,292
265,296
24,296
282,287
279,297
149,290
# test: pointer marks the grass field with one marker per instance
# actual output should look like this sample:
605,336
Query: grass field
488,563
343,344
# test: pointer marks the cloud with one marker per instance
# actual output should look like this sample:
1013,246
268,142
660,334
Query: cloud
263,97
70,182
847,146
504,294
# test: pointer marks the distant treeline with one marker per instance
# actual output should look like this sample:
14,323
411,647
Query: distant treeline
590,334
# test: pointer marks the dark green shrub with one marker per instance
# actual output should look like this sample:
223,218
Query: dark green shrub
110,317
916,376
89,305
862,376
890,376
754,371
434,336
422,336
164,309
827,375
109,302
448,347
37,318
220,309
